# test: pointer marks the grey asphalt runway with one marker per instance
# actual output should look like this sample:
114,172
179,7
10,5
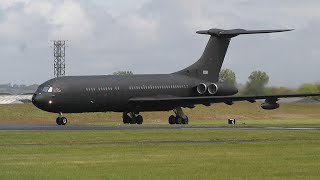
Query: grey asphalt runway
9,127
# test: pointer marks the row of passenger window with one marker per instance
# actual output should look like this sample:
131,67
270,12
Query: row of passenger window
138,88
158,87
103,89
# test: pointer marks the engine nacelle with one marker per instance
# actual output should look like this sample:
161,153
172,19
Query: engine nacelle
212,88
222,89
202,88
218,89
269,106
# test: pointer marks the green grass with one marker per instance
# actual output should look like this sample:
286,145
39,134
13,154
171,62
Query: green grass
164,154
247,114
78,154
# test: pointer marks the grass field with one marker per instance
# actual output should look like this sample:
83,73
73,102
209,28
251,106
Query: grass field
164,154
160,154
246,113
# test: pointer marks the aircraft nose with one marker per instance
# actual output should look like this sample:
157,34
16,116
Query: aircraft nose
38,100
35,99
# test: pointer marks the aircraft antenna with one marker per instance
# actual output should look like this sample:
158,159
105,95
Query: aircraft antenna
59,54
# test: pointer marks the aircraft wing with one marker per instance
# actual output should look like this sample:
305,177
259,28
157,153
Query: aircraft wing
207,100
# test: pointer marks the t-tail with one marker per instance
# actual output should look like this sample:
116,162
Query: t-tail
209,65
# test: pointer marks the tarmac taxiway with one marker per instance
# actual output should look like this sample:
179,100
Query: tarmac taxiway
11,127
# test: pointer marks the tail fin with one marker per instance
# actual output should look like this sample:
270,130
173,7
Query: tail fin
209,65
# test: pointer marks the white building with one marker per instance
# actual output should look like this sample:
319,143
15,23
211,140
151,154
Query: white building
15,99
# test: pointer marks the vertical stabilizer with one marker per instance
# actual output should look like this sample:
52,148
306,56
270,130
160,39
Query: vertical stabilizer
209,65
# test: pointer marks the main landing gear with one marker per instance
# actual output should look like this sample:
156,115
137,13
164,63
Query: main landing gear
61,120
135,118
180,117
132,118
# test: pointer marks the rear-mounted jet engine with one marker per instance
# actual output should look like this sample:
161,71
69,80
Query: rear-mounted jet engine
218,89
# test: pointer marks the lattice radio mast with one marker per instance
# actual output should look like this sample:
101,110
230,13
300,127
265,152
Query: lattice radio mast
59,50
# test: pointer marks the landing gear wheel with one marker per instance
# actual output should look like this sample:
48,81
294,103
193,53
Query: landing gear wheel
180,117
179,120
61,120
58,121
126,119
139,119
185,120
133,120
172,119
64,121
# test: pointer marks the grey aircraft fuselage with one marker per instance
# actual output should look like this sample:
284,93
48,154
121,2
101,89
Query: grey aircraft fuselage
78,94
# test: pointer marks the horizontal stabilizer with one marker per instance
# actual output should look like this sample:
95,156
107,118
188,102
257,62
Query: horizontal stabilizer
235,32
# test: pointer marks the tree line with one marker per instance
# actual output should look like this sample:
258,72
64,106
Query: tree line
17,89
258,81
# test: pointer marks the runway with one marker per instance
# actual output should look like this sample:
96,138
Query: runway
10,127
52,127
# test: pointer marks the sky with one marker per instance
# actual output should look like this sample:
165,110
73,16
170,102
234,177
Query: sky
157,36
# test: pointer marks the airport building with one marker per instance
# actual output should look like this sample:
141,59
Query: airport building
15,99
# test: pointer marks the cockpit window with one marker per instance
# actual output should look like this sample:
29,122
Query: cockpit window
50,89
56,89
45,89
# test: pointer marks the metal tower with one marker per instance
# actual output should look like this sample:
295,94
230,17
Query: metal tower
59,58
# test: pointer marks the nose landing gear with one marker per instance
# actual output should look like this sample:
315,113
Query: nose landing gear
61,120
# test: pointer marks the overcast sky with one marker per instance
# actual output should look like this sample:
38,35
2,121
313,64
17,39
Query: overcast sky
157,36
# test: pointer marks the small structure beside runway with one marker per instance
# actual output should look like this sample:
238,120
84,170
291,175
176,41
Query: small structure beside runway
231,121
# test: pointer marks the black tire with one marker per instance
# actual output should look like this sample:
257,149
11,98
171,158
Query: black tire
133,120
178,120
139,119
58,121
172,119
126,119
185,120
64,121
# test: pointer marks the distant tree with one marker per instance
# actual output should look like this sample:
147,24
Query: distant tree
279,90
18,89
5,85
309,88
32,87
228,76
318,86
256,85
123,73
22,86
